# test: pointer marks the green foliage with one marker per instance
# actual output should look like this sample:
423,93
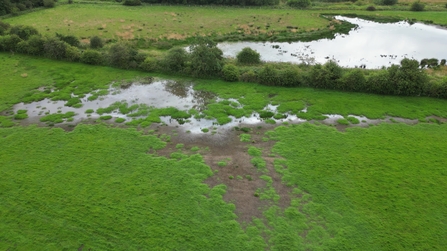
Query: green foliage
57,117
343,121
49,3
268,76
106,117
9,42
23,31
230,73
69,39
132,2
54,48
206,58
417,6
150,64
326,76
248,56
72,53
299,3
245,137
21,114
92,57
176,59
96,42
121,55
387,2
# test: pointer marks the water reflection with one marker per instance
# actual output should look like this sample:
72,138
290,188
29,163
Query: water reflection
370,45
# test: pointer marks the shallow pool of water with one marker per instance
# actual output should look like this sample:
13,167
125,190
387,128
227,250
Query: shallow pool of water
371,45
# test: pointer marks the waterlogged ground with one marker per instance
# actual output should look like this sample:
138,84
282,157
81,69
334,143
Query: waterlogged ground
259,178
370,45
158,101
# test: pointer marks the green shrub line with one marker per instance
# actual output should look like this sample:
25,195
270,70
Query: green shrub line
205,60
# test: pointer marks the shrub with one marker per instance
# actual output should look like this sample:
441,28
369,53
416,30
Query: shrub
150,64
96,42
206,58
72,53
69,39
121,55
49,3
55,48
9,42
249,76
230,73
268,76
388,2
36,45
325,76
443,61
24,32
289,77
91,57
3,27
354,80
176,59
417,6
132,2
248,56
371,8
299,3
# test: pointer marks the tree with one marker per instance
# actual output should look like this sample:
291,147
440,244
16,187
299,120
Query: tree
206,58
55,48
24,32
122,55
248,56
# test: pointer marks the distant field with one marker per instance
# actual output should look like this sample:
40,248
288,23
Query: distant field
155,22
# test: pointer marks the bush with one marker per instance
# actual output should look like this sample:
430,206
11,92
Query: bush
417,6
299,3
150,64
230,73
9,42
122,55
36,45
249,76
132,2
49,3
69,39
176,59
206,58
96,42
354,80
268,76
371,8
55,48
289,77
388,2
325,76
248,56
91,57
72,53
443,61
3,27
24,32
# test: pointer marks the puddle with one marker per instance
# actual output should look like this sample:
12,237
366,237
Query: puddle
180,95
371,45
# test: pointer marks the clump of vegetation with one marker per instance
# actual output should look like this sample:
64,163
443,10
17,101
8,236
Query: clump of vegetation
120,120
353,120
21,114
245,137
105,117
57,117
248,56
205,130
299,3
417,6
230,73
370,8
206,58
96,42
343,121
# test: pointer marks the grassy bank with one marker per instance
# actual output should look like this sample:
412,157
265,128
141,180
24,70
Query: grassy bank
170,22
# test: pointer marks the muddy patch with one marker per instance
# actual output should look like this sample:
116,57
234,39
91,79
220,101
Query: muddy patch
228,158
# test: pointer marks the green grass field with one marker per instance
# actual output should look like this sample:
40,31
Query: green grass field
104,187
156,22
